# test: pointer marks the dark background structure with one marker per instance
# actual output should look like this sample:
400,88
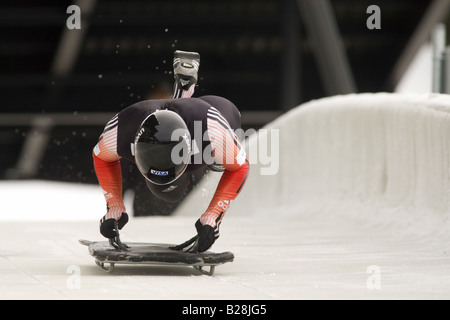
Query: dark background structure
59,86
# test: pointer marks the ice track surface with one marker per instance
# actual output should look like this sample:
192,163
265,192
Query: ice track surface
312,257
292,238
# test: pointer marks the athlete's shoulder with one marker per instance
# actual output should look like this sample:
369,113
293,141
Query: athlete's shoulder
225,108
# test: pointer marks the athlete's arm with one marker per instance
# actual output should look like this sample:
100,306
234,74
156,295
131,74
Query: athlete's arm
107,168
229,153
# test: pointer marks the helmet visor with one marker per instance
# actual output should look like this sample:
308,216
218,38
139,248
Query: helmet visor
161,163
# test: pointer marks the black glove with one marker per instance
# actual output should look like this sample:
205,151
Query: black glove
107,226
207,235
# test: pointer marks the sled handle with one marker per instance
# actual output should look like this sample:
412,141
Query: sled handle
185,244
116,242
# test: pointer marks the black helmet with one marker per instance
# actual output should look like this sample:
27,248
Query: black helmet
162,147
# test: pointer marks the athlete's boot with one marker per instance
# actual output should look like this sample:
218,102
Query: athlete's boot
185,70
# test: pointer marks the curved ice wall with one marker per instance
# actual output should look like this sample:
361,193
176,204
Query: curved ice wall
376,157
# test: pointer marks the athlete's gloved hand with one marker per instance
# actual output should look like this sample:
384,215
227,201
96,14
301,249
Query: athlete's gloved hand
108,226
207,234
205,238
